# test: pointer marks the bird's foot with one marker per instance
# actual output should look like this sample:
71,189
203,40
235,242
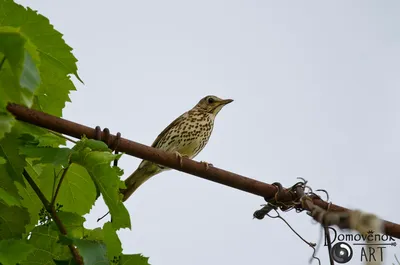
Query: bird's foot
206,164
180,156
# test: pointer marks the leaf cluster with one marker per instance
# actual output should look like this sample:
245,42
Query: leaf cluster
36,66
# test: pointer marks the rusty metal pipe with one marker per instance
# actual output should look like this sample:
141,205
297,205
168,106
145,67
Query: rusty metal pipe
189,166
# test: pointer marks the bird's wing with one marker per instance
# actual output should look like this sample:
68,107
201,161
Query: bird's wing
176,122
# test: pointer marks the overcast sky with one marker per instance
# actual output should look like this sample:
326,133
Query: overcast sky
316,90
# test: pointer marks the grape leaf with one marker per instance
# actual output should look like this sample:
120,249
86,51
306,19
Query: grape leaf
11,91
56,60
77,192
113,244
14,251
8,198
15,163
8,191
49,42
133,259
47,98
6,120
93,252
106,178
65,262
93,145
12,222
19,75
21,55
94,234
50,140
46,247
51,155
109,237
98,165
30,200
72,222
33,136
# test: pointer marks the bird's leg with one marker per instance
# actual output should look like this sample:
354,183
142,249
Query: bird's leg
179,156
206,164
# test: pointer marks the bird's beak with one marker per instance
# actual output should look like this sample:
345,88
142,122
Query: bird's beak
226,101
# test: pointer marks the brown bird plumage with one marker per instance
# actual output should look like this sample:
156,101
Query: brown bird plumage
185,136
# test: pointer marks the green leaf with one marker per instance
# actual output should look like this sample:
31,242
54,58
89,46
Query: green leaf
93,145
48,99
49,42
15,163
106,178
72,222
14,251
77,192
8,198
30,200
93,252
47,155
2,160
113,244
33,136
46,247
56,61
12,222
134,259
65,262
94,234
11,91
107,181
50,140
48,176
19,53
8,191
6,122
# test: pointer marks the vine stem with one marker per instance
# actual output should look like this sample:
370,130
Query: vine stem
62,136
2,62
52,211
53,201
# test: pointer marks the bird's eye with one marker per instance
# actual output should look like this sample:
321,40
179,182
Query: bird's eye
210,100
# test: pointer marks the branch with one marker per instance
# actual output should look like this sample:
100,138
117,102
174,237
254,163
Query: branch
169,160
52,211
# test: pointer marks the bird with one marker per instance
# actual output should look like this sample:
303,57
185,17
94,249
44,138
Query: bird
186,136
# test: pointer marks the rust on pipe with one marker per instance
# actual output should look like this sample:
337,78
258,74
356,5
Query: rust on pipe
189,166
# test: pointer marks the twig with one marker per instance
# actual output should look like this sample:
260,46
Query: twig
328,238
62,136
53,189
59,186
52,211
101,218
291,228
2,62
310,244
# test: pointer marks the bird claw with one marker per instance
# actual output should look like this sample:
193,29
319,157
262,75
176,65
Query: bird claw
206,164
179,156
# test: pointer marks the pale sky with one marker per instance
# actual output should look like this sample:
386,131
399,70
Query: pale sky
316,90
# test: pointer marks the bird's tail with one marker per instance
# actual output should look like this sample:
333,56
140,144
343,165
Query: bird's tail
145,171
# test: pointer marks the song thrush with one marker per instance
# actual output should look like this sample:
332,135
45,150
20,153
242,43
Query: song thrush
185,136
